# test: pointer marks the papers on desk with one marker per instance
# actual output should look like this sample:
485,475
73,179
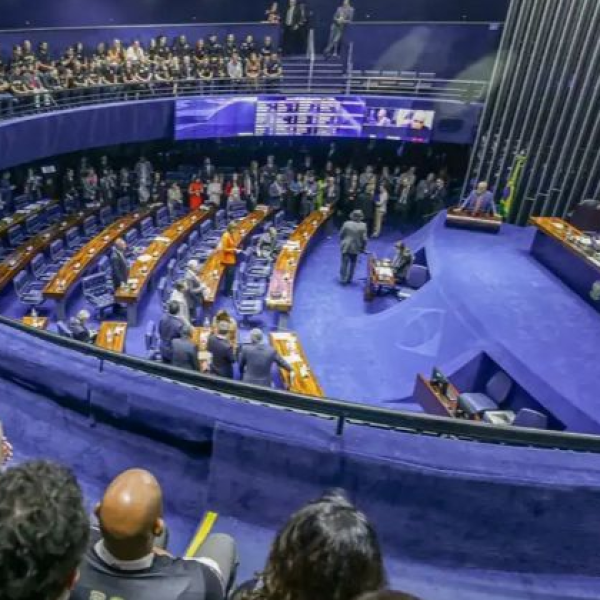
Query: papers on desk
144,258
294,358
162,239
281,336
385,272
291,245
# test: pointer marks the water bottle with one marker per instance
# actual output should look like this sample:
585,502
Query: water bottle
206,322
34,314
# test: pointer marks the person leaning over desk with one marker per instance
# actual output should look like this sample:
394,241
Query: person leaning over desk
479,201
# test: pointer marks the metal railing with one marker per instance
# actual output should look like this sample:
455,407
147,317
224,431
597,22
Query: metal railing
353,82
342,412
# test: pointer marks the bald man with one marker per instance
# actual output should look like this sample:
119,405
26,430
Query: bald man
480,200
125,564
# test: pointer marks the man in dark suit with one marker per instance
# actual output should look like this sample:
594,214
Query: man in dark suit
185,352
79,329
169,329
292,19
118,262
257,359
353,241
223,357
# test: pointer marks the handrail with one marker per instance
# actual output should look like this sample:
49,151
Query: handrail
343,412
12,106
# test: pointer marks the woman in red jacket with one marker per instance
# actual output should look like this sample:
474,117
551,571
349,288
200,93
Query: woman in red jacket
196,194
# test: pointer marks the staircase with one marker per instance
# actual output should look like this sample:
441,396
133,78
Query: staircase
328,75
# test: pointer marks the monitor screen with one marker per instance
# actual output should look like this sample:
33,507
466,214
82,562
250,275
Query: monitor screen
322,116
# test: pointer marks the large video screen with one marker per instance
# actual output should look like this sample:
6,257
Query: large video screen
394,118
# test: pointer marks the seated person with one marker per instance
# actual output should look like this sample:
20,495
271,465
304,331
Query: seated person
124,563
169,329
185,352
79,329
480,200
402,261
344,562
223,315
267,244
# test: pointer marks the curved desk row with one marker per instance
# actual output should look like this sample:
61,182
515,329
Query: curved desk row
64,282
24,254
288,347
146,265
21,215
212,271
281,289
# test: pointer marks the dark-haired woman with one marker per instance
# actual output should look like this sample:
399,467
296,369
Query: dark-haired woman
327,550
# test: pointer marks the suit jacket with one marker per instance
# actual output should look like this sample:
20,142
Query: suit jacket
183,300
169,328
353,237
223,357
185,354
483,203
120,268
256,361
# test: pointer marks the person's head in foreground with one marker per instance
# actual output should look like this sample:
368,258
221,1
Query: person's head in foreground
44,531
130,515
327,549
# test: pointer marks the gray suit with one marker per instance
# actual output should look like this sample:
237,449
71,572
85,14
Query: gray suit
353,240
185,354
120,267
256,361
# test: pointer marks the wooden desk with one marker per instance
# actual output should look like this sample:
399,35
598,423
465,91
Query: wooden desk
36,322
568,253
212,271
281,289
146,265
288,346
467,220
111,336
62,285
19,217
434,402
380,275
20,258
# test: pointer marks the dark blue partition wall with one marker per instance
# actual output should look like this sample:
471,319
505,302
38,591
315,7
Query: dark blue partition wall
439,500
451,50
75,13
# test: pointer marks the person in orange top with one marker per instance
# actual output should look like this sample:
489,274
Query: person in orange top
195,194
229,252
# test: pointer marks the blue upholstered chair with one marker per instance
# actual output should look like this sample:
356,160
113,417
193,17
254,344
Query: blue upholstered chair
73,240
71,204
97,292
250,287
162,218
91,226
193,240
105,216
246,307
147,229
54,213
171,269
16,236
28,290
123,205
533,419
416,279
496,392
63,330
34,224
163,289
105,269
182,255
41,270
205,228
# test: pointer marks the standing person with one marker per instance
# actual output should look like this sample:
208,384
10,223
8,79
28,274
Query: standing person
351,195
438,196
169,328
291,26
215,190
276,192
195,287
295,198
229,252
144,170
366,203
174,200
257,360
381,206
195,191
119,264
423,192
232,336
406,183
223,355
310,196
185,352
353,241
480,200
180,296
342,16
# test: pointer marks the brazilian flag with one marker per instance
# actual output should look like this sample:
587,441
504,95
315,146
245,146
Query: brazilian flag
511,186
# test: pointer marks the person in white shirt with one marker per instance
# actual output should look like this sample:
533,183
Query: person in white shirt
135,53
215,190
180,296
174,199
235,70
381,204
